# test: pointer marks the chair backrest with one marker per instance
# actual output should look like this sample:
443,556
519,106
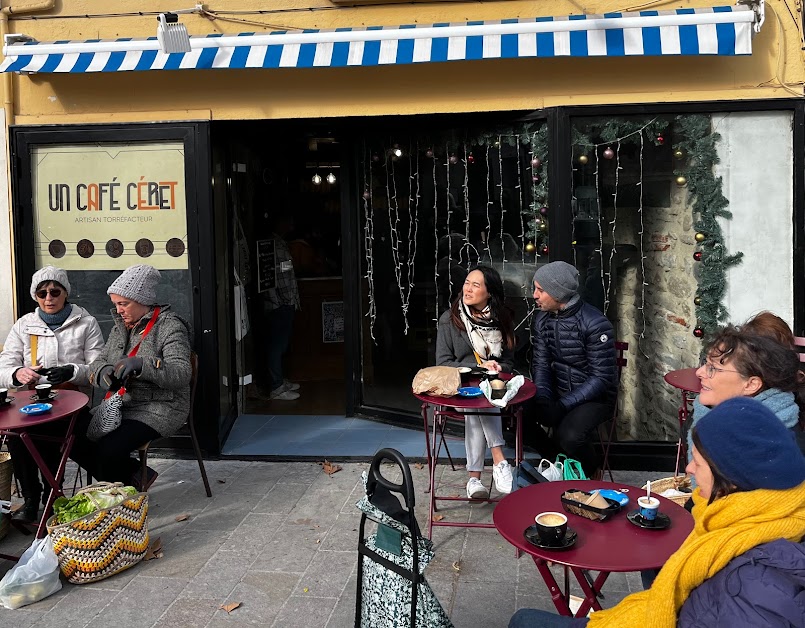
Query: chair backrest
620,358
799,347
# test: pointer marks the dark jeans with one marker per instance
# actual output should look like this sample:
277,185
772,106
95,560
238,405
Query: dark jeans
25,469
109,460
533,618
279,327
574,432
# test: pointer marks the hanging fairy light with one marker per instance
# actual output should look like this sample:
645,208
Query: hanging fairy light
331,179
316,179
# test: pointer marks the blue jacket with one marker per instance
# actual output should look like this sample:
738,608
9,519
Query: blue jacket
762,587
574,356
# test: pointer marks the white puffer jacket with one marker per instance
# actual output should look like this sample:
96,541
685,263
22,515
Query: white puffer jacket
78,342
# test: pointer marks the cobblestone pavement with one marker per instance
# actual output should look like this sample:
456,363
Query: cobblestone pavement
280,538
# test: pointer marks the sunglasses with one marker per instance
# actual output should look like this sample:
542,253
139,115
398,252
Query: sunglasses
54,292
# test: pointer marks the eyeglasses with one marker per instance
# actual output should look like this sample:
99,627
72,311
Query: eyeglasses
711,370
54,292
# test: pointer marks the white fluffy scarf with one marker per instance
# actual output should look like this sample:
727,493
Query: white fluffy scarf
485,335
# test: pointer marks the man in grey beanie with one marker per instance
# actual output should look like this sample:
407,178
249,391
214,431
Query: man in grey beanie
573,363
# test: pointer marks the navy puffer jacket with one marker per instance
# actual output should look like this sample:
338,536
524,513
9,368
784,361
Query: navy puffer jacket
574,356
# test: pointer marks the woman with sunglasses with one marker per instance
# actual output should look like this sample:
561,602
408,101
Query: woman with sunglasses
51,345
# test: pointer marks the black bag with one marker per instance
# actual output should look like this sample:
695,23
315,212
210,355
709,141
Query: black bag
526,475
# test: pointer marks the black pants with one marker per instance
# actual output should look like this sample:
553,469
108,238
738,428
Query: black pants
573,433
25,469
109,459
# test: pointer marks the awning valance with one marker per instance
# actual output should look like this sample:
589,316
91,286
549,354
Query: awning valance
724,30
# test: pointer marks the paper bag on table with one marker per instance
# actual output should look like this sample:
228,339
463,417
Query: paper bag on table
439,381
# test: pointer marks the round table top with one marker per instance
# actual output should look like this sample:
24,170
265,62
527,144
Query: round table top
611,545
684,379
527,390
66,403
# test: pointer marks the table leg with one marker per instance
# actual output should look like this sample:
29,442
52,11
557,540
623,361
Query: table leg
559,600
590,592
432,487
426,430
681,447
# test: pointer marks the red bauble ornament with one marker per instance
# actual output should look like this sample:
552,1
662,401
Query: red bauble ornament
536,162
544,249
453,159
698,332
660,140
470,159
367,195
429,153
608,153
697,256
543,211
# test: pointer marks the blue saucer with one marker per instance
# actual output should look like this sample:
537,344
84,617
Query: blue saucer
36,408
470,391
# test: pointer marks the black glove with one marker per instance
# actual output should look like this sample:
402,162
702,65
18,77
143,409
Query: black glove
128,367
549,413
106,379
59,374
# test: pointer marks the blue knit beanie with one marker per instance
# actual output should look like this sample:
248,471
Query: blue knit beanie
750,446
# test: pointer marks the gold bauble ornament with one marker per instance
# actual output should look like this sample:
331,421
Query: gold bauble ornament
680,180
583,159
679,153
700,237
543,227
697,301
530,247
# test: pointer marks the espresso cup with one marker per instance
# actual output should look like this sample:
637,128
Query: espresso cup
491,375
3,395
43,391
649,506
551,527
466,373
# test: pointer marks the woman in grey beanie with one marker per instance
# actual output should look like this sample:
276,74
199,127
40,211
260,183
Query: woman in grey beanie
51,345
156,377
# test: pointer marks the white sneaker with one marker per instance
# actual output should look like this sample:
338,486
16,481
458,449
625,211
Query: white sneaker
282,393
502,473
476,490
292,386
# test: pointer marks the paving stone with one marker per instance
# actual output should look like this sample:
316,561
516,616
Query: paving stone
183,556
281,499
141,603
224,512
343,535
327,574
19,618
254,532
261,596
219,576
304,611
189,612
488,604
75,607
488,557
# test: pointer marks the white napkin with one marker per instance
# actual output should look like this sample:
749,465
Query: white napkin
512,386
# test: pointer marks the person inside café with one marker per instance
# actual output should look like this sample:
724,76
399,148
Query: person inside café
51,345
743,565
148,354
573,363
477,330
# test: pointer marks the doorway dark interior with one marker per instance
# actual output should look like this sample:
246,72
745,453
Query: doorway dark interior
285,182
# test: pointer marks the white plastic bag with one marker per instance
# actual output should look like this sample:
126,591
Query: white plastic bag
553,471
512,387
33,578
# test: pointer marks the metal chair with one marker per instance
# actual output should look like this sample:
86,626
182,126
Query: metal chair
799,347
607,437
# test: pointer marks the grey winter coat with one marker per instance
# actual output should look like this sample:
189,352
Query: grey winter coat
453,347
78,341
160,395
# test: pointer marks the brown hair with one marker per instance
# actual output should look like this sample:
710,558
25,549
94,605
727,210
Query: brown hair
497,309
771,326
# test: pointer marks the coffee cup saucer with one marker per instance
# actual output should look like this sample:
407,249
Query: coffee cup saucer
53,394
532,536
661,522
7,401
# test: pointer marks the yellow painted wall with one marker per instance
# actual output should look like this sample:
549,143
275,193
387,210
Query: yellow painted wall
440,87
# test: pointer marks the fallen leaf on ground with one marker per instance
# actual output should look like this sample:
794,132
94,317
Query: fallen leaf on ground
221,481
303,522
457,565
229,607
180,482
419,465
305,589
438,517
329,467
183,517
154,549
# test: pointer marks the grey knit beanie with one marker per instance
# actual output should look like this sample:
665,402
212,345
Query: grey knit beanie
49,273
137,283
558,279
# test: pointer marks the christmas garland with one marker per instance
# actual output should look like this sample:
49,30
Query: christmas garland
698,144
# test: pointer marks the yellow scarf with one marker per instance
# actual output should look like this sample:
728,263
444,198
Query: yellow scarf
723,530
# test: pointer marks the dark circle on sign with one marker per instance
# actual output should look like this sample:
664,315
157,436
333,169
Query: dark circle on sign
114,248
144,247
85,248
175,247
57,249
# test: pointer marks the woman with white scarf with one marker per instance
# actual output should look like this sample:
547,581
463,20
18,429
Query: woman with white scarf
477,331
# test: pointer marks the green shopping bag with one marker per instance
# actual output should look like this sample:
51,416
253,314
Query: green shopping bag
571,468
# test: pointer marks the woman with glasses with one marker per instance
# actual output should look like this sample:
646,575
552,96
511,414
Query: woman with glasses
744,364
51,345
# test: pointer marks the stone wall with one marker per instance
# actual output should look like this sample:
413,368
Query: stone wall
648,406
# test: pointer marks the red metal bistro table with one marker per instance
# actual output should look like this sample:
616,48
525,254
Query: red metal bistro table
456,408
686,381
15,424
607,547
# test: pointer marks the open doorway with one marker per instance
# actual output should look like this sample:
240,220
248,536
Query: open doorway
284,205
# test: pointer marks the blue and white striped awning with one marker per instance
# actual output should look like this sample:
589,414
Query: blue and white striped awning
725,30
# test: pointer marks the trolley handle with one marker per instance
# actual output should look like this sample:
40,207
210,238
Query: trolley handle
406,489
